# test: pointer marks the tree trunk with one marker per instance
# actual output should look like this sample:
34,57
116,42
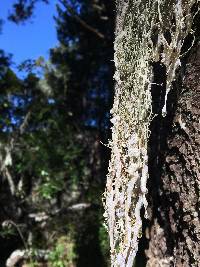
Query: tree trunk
151,37
174,234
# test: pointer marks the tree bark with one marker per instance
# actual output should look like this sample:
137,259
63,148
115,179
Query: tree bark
151,38
174,185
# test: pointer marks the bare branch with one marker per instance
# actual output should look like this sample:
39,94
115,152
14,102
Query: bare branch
82,22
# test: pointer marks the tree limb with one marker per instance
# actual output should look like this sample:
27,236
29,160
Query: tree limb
82,22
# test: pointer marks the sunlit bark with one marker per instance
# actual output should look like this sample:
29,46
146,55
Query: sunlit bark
148,33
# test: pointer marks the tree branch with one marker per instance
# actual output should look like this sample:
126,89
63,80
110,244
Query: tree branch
82,22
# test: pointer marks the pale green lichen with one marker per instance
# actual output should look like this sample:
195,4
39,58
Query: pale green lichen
131,112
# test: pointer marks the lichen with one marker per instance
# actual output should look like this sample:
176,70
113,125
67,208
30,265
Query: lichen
140,40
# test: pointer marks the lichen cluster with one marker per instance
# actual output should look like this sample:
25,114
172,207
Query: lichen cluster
148,31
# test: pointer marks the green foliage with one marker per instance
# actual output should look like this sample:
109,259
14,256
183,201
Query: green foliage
104,242
7,232
49,188
23,10
62,255
33,264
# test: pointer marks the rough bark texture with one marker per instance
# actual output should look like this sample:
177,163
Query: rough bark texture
174,234
149,48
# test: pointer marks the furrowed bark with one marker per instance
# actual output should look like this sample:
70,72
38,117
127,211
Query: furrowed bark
174,234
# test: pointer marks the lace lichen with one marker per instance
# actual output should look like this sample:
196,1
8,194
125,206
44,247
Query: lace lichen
135,49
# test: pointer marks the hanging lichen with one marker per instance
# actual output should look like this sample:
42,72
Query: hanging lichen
149,31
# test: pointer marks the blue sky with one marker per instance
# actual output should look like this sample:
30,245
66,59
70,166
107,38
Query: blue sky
34,38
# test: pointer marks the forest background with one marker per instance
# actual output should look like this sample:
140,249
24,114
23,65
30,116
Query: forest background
54,127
